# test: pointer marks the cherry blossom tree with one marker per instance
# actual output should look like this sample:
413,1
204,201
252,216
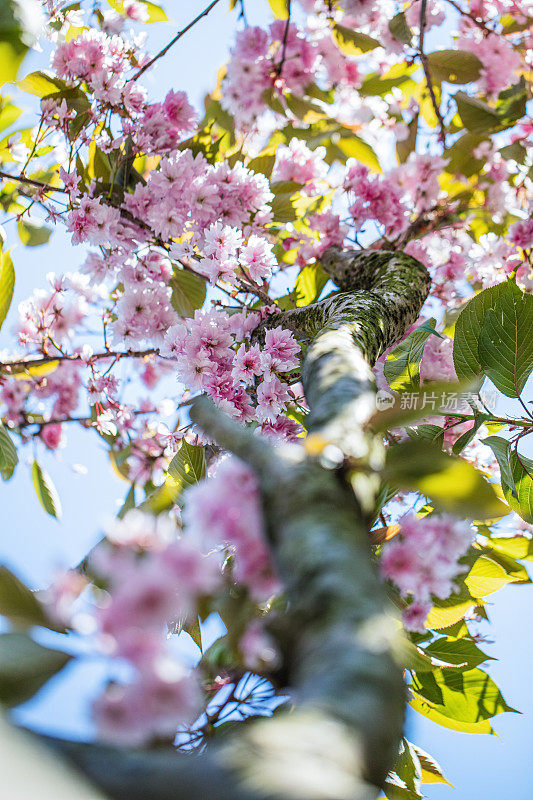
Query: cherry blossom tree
328,276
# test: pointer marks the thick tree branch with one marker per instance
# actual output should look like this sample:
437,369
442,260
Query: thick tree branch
337,637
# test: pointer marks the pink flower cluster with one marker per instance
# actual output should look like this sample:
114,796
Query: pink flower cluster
225,511
296,162
423,561
152,579
418,177
256,65
375,197
500,61
245,383
521,233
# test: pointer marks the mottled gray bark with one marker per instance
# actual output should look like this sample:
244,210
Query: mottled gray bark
337,637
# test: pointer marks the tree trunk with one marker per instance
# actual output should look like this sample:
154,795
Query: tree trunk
338,636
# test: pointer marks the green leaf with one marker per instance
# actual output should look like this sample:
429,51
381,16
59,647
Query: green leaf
20,605
188,465
476,116
463,653
188,292
46,491
420,704
430,769
505,346
155,12
41,84
280,8
309,284
460,155
263,164
468,330
129,502
407,146
470,696
14,38
354,147
303,109
486,576
8,454
454,66
402,367
399,75
404,781
9,114
352,42
516,474
454,485
7,284
400,29
25,667
33,232
451,610
513,546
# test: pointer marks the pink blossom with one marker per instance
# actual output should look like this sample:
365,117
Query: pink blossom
247,364
224,511
281,347
437,360
53,436
422,560
521,233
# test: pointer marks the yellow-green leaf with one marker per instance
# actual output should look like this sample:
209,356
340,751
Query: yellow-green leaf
280,8
7,284
46,491
8,454
33,232
354,43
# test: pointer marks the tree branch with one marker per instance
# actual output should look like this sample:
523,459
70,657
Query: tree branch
23,364
337,638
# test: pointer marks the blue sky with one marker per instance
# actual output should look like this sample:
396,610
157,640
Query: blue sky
35,545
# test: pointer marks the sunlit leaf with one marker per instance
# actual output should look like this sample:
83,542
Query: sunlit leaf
188,465
7,284
505,345
8,454
466,697
453,484
402,367
454,66
421,705
485,577
33,232
353,43
280,8
516,476
46,491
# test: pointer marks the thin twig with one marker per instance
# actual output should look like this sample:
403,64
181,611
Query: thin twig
26,363
427,72
174,40
284,42
32,182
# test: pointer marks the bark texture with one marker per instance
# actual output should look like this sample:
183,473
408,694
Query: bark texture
338,637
